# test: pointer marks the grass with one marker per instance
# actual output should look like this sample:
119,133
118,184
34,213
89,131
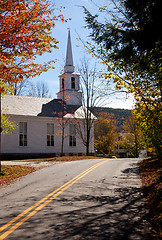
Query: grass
10,173
59,159
152,188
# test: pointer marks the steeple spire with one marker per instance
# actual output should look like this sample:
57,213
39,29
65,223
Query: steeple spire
69,81
69,56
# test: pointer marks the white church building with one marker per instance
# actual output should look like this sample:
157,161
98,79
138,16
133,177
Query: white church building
47,126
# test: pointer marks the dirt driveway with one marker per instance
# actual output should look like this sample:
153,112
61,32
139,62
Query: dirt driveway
30,163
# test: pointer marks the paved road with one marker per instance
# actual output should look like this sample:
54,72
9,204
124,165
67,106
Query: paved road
88,199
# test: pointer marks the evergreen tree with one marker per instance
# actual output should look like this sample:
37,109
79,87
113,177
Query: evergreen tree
129,44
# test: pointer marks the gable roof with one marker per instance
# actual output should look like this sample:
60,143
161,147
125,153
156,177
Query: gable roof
23,105
35,106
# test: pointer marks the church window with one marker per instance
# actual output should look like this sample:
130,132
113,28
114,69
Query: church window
72,135
50,134
73,82
23,134
63,83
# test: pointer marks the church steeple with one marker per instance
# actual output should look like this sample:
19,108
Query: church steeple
69,55
69,81
69,67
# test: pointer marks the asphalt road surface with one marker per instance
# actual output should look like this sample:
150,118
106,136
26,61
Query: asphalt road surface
89,199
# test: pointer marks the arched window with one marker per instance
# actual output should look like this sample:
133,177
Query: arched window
73,82
63,83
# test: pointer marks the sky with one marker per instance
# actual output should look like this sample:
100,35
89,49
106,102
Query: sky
74,11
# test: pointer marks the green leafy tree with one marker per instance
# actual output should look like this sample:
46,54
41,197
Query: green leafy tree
126,36
128,43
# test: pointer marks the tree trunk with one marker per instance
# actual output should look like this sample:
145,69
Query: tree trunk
87,149
88,140
0,132
62,138
62,145
136,144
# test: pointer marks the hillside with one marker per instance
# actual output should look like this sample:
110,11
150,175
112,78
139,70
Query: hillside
121,115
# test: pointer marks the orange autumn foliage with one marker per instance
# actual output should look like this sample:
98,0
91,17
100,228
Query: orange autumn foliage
25,32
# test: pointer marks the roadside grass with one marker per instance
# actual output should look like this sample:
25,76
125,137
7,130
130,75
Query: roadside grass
10,173
152,188
59,159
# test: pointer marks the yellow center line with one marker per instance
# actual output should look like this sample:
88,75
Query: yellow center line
44,202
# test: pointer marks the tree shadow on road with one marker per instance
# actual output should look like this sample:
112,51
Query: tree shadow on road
118,217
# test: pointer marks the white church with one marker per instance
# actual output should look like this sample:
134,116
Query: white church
46,126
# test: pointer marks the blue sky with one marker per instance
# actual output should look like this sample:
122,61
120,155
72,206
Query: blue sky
76,25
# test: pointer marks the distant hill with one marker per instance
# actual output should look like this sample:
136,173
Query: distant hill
121,115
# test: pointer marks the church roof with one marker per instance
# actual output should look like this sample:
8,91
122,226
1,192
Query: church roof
35,106
57,108
23,105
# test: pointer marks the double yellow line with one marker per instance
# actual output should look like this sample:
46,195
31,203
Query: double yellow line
43,202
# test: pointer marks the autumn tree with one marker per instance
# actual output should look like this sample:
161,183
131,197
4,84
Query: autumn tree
105,133
62,123
25,32
92,97
7,125
131,138
149,118
17,88
64,117
129,44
